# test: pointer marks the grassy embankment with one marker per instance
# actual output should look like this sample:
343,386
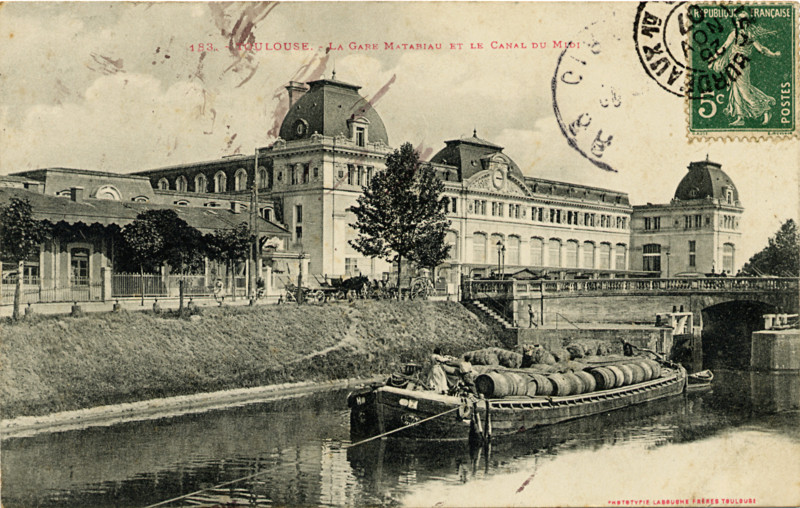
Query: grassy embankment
62,363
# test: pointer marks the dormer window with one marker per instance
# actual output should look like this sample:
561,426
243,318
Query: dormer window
359,131
729,195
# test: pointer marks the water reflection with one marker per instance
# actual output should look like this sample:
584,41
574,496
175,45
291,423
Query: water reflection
295,450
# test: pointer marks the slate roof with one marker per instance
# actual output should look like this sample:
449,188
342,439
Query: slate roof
466,153
104,212
705,179
327,107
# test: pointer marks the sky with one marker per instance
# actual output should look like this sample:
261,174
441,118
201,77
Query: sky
123,87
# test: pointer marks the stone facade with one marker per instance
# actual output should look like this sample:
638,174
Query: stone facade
697,232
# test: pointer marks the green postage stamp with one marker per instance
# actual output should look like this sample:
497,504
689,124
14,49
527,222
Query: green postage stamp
744,69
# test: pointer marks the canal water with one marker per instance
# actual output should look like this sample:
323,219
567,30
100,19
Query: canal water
738,442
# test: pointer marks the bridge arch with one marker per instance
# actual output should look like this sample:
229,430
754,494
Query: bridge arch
727,328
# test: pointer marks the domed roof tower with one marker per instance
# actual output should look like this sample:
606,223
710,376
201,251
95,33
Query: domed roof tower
705,180
329,108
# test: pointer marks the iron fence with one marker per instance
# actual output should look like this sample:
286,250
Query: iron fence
152,285
52,291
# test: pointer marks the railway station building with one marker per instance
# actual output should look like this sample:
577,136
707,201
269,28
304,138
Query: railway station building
331,143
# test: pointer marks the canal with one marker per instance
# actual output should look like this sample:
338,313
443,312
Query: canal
740,441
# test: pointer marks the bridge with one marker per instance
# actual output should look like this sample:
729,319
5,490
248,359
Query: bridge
725,310
631,300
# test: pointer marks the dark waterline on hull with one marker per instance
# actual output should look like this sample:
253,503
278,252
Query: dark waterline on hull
298,444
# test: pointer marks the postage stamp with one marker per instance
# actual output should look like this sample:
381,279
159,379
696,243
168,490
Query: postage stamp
748,83
734,63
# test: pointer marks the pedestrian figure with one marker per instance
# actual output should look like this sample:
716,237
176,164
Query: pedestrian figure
531,317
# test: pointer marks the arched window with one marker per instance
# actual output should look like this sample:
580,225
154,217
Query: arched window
651,257
220,182
108,192
494,250
537,252
604,256
554,252
240,180
181,185
621,254
163,184
588,255
263,179
200,184
512,250
728,251
479,248
451,239
571,254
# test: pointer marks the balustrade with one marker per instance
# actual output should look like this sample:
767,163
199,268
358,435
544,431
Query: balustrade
703,284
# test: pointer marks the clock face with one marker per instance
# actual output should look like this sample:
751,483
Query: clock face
497,179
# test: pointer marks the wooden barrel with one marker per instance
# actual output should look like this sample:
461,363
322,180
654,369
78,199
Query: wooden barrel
543,385
589,384
648,371
627,372
492,384
638,372
576,382
530,386
517,384
603,377
618,375
656,368
561,385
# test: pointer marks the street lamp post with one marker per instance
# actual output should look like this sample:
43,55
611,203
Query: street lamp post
501,250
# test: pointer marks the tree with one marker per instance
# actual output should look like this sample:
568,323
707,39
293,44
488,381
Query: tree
780,257
229,246
158,237
20,236
400,215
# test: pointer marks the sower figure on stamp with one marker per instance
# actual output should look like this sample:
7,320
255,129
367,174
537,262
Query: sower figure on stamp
744,99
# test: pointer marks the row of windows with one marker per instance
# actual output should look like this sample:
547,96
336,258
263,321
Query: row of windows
220,180
553,215
651,256
359,175
554,252
729,222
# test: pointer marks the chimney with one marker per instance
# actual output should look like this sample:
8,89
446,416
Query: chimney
236,207
296,90
76,194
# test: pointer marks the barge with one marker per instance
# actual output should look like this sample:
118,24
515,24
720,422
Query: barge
414,413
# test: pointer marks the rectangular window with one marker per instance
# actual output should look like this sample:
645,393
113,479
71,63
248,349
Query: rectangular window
351,266
79,261
500,207
494,208
454,202
298,233
351,174
552,215
370,169
692,255
360,176
298,214
361,136
306,171
698,221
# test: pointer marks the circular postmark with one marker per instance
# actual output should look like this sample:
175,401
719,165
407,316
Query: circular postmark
589,98
677,44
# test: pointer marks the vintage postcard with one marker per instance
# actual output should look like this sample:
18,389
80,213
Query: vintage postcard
399,253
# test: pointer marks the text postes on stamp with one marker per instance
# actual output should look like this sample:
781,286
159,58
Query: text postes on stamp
747,83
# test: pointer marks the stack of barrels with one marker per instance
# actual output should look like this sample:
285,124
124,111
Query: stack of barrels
506,384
